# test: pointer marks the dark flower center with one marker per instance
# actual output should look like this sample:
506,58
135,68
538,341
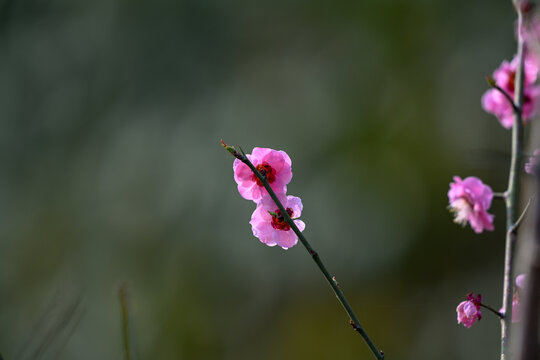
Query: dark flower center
266,170
511,84
279,223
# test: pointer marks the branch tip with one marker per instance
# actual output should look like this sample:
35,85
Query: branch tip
232,150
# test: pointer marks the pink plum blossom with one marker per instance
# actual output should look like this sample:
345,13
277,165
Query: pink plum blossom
269,226
275,165
470,200
468,312
529,166
494,102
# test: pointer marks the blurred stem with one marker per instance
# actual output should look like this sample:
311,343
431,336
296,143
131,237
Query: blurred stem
512,200
355,323
528,345
499,195
126,326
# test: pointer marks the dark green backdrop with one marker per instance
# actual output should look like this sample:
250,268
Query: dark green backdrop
111,113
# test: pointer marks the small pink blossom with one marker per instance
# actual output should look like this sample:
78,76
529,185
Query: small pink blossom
497,104
276,165
468,312
269,226
529,166
470,200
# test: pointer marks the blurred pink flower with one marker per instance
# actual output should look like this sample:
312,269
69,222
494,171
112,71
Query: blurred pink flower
468,312
276,165
469,201
516,308
497,104
529,166
516,302
531,30
520,280
271,229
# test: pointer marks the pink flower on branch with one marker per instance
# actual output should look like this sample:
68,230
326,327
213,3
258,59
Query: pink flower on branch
275,165
470,199
268,223
468,312
494,102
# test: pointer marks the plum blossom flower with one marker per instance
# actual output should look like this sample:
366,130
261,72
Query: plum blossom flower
497,104
470,200
269,226
275,165
468,312
529,166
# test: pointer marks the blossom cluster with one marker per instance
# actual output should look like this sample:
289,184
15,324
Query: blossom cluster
494,101
469,198
267,221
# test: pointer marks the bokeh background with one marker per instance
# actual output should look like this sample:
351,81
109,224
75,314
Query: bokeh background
111,115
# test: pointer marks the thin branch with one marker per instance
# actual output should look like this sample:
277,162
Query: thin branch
523,213
499,314
512,201
355,323
500,195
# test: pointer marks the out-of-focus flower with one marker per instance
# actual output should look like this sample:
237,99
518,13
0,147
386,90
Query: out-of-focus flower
531,30
497,104
520,280
470,200
516,302
529,166
269,226
516,308
275,165
468,312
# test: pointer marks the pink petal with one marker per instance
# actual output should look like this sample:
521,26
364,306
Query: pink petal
286,239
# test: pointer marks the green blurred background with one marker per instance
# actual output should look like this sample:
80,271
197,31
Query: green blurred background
112,172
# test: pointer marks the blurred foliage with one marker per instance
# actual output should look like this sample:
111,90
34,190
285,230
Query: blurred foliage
111,115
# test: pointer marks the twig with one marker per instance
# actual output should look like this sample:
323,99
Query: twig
355,323
500,195
499,314
522,216
512,201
